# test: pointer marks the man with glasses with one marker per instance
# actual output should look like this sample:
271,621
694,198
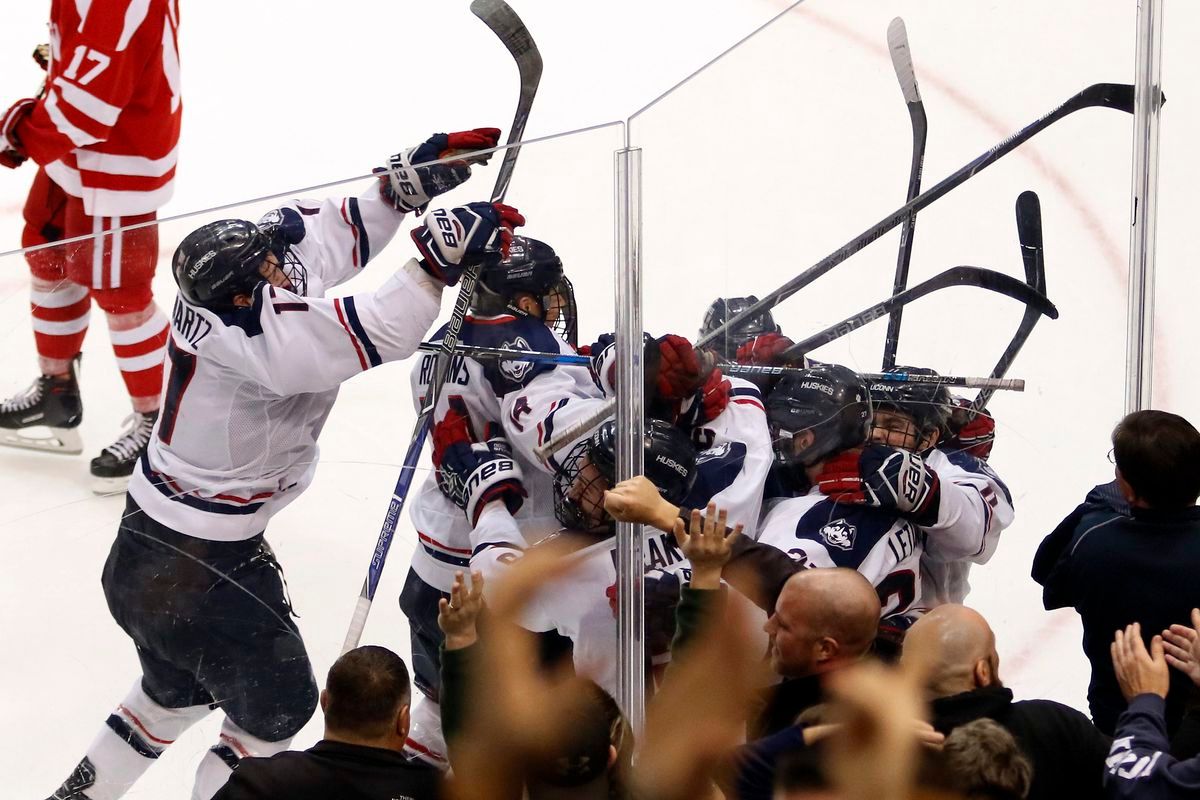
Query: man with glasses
1131,552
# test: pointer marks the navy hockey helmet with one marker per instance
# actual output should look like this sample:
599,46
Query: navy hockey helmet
829,400
927,404
591,467
218,261
724,309
533,268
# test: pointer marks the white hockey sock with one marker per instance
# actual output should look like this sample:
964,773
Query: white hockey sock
133,737
221,759
425,741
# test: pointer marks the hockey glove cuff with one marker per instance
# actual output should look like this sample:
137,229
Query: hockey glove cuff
707,403
12,154
972,432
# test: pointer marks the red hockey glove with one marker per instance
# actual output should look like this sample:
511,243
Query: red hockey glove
971,434
681,370
12,154
708,402
765,351
883,477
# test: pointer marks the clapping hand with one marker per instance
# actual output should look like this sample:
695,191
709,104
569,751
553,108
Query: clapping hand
1182,647
1138,671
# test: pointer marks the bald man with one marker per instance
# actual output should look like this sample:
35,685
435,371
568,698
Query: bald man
964,684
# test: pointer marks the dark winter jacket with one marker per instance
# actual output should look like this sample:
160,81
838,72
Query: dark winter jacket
331,770
1066,749
1139,766
1114,569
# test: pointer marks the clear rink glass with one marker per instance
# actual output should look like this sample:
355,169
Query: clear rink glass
775,155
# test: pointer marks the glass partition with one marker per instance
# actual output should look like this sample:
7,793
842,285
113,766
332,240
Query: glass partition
796,142
77,664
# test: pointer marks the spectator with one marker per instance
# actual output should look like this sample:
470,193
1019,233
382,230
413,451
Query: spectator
1066,750
1139,766
366,704
1116,568
984,762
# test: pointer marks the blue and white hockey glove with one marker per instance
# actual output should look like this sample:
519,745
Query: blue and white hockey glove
473,474
884,477
452,239
410,188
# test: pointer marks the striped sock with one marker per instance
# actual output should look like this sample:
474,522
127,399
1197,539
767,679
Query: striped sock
60,311
139,340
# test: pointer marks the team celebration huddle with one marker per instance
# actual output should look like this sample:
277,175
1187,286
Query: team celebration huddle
810,532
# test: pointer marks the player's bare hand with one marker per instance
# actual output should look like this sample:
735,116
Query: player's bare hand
1139,671
638,500
707,545
1182,647
457,616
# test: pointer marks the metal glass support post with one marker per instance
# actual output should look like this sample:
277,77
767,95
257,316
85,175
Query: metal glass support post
631,663
1139,358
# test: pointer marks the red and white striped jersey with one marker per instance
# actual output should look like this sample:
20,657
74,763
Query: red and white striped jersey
250,389
107,129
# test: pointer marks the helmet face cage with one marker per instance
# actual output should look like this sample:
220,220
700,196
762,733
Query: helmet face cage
297,273
561,300
926,408
724,309
579,486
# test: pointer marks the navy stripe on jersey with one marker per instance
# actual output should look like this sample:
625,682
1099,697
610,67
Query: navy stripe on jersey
746,391
361,332
364,246
965,461
446,558
162,484
248,319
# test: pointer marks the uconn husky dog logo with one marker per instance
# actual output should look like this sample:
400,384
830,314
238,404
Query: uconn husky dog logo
839,534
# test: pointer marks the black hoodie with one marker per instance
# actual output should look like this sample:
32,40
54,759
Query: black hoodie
1066,749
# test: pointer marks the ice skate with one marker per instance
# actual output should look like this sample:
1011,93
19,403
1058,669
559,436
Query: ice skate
112,468
50,404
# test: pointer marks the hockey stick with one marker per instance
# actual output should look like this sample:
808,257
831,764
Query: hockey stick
1029,230
1105,95
897,38
569,359
507,26
956,276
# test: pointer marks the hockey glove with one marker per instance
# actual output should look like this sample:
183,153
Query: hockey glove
707,403
970,434
410,188
41,56
681,370
12,154
767,351
473,474
450,240
884,477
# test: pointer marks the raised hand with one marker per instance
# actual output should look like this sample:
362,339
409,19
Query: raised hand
707,544
410,181
452,239
1139,671
457,616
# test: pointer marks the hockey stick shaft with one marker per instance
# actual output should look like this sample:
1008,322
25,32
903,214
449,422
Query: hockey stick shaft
905,74
1029,230
570,359
507,26
1106,95
956,276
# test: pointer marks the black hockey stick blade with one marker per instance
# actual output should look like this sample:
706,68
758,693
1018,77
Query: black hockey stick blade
897,37
507,26
957,276
1029,231
1102,95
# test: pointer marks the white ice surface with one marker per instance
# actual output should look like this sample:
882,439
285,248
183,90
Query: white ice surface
762,165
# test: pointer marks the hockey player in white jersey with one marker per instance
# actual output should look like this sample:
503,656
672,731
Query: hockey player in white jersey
524,303
257,353
914,417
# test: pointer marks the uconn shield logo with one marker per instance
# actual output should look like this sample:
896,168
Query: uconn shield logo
516,370
839,534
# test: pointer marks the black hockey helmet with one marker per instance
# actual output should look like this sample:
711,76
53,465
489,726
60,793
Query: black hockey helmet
669,463
532,267
830,400
218,261
928,404
724,309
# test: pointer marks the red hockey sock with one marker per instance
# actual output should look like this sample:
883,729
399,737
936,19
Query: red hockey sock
60,311
139,340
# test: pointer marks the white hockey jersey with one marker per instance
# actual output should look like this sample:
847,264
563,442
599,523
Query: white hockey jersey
445,540
250,389
967,532
817,531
